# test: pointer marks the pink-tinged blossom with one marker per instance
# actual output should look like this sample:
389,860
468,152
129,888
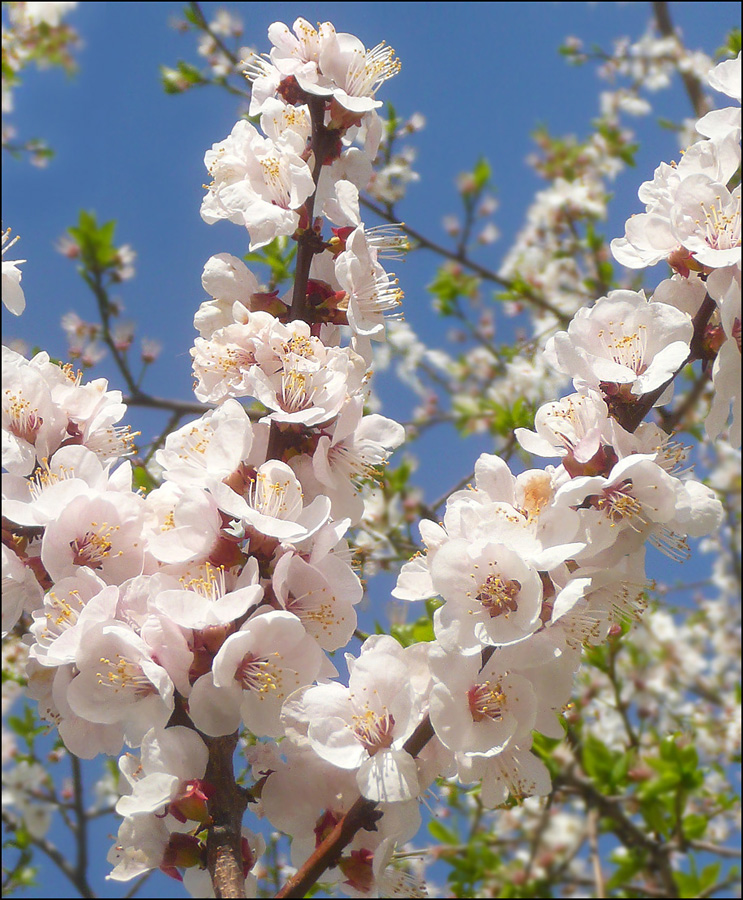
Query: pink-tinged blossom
48,686
183,523
685,293
515,771
33,425
301,788
706,220
72,471
573,426
640,501
228,280
373,874
256,183
358,445
103,532
253,673
310,382
74,604
278,120
651,237
625,339
724,288
204,601
273,504
724,124
326,612
224,363
355,73
292,56
551,672
588,602
305,796
79,413
725,77
20,589
476,709
141,845
210,447
491,596
169,757
414,581
119,681
517,513
291,52
726,375
371,291
365,725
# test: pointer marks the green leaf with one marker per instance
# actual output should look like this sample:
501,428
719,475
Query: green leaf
97,250
482,173
442,834
695,826
599,761
190,16
180,79
143,480
278,256
732,46
631,861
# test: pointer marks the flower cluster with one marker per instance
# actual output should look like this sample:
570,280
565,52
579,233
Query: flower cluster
218,594
36,34
534,566
170,620
692,220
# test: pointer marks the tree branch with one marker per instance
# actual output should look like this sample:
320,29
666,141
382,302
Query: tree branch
692,84
224,841
484,273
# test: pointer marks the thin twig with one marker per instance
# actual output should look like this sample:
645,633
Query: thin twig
692,84
13,823
484,273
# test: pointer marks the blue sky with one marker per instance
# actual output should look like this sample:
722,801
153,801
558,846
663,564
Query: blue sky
483,74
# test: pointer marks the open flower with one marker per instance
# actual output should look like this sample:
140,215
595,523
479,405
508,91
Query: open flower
256,183
492,596
255,670
625,339
365,725
273,504
170,757
480,710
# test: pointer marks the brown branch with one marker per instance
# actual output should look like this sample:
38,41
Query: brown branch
223,844
593,841
484,273
692,84
184,407
13,823
81,821
309,243
224,841
624,827
363,814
